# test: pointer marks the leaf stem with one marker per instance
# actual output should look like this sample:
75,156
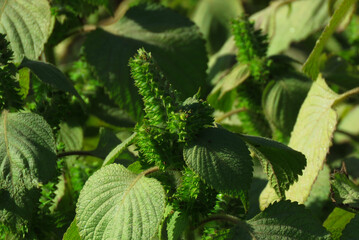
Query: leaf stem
344,96
219,217
79,153
150,170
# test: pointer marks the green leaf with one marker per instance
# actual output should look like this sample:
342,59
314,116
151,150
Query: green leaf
282,220
28,25
221,159
108,141
118,204
71,134
351,230
312,135
52,75
111,157
173,40
345,191
336,222
177,225
281,163
72,232
311,66
290,21
282,99
27,160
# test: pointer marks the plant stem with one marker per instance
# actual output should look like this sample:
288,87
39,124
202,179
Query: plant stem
150,170
79,153
230,113
219,217
344,96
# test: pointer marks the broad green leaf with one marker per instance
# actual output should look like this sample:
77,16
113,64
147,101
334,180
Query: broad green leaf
118,204
177,225
24,82
221,159
312,135
51,75
173,40
336,222
111,157
282,164
351,231
345,191
282,99
311,66
28,24
71,134
291,21
108,141
27,160
282,220
72,232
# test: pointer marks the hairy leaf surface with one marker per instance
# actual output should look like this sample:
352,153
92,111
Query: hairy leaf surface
118,204
177,225
173,40
282,164
312,135
221,159
282,220
28,24
345,191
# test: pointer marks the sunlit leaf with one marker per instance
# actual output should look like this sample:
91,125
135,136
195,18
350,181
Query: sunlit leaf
72,233
336,222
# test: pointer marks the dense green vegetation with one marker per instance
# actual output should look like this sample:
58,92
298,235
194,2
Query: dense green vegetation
179,119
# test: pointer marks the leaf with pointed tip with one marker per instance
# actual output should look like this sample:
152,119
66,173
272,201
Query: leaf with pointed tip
118,204
221,159
345,191
312,135
281,163
351,231
72,232
27,159
174,41
28,25
282,220
336,222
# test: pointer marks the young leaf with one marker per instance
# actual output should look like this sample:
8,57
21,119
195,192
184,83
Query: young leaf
118,204
72,233
177,225
28,24
173,40
336,222
51,75
312,135
351,231
345,191
282,220
27,159
311,66
221,159
282,164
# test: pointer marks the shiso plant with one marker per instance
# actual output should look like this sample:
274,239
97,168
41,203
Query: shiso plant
127,120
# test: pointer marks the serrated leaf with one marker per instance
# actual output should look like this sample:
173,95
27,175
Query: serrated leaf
221,159
50,74
290,21
28,24
345,191
72,232
336,222
312,135
282,164
173,40
351,231
311,66
111,157
118,204
177,225
27,159
282,220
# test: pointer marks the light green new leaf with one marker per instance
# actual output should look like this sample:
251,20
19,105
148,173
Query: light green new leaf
27,24
312,135
290,21
351,231
282,220
336,222
27,159
221,159
345,191
177,225
311,66
118,204
51,75
174,41
72,233
282,164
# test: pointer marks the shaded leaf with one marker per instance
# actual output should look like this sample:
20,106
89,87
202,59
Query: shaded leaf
71,134
108,141
351,231
28,24
177,225
345,191
336,222
282,164
118,204
72,232
221,159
